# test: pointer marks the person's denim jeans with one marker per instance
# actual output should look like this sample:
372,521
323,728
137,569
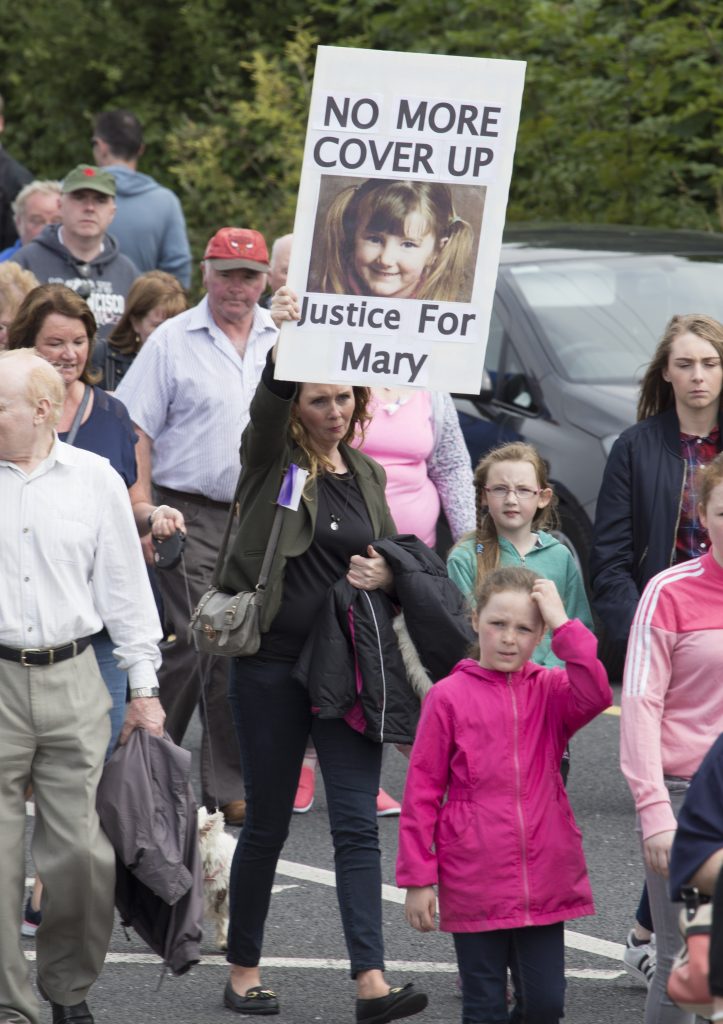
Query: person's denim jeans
536,957
115,681
273,720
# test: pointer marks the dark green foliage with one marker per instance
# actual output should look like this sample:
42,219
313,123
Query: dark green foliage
622,115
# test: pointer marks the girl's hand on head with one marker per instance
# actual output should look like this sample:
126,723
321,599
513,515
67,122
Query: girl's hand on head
370,573
547,599
656,851
284,306
420,908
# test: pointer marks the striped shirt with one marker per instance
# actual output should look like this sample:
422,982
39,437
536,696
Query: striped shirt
70,561
190,391
672,702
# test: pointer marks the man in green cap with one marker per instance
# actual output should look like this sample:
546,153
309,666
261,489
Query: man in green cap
79,252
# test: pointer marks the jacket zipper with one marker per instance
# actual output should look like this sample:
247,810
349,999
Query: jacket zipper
381,665
518,801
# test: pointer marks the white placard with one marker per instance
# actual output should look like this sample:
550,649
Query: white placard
399,220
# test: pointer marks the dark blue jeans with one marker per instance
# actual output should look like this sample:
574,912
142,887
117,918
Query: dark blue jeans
273,720
536,957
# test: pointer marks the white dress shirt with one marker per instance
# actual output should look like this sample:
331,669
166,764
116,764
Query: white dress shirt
70,561
190,391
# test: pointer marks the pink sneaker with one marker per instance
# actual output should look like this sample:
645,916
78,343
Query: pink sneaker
305,792
387,807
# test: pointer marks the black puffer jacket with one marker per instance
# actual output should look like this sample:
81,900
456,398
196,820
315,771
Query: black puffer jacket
637,518
354,649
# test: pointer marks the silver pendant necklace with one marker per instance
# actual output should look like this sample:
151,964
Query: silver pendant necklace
335,518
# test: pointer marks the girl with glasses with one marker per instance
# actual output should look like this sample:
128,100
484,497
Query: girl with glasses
515,506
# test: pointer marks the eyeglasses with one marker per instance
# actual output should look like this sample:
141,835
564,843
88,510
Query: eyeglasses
500,492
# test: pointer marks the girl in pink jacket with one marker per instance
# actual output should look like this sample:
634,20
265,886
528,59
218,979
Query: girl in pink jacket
485,816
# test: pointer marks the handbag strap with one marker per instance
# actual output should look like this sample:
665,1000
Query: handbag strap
75,425
270,545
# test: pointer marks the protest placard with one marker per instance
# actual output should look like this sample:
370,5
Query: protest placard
401,207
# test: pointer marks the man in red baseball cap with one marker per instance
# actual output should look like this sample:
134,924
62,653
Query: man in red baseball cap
188,393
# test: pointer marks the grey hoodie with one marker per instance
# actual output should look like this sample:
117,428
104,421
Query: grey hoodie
103,283
149,224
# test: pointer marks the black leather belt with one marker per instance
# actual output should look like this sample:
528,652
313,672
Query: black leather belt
195,499
36,657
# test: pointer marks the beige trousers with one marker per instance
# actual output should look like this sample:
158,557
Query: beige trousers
54,731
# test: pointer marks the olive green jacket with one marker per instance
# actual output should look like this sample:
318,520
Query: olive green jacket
266,451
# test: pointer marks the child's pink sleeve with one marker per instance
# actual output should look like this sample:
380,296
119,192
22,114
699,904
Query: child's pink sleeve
587,687
426,785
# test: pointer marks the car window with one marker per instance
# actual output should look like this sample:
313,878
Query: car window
506,373
602,317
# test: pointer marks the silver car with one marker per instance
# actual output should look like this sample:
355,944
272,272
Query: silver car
578,313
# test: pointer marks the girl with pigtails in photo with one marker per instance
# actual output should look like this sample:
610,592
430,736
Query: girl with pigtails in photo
397,239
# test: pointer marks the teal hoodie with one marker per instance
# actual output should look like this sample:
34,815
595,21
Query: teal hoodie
549,559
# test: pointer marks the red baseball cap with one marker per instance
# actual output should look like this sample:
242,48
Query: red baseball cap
237,247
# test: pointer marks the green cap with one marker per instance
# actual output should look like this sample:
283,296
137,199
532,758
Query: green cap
85,176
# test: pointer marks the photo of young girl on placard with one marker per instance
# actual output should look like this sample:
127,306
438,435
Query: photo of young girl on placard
396,238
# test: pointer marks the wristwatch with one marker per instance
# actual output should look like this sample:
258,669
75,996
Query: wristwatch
144,691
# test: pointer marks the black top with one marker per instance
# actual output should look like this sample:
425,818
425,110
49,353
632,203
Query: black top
343,529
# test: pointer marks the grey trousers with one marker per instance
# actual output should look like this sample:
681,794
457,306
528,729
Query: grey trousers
179,677
658,1007
54,731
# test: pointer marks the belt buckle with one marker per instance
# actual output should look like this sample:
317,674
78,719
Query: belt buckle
34,650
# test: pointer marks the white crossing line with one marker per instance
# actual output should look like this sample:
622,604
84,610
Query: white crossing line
296,963
390,893
573,939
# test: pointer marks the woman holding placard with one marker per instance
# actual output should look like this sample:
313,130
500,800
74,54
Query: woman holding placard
328,536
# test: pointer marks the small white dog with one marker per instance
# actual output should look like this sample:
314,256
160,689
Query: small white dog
217,847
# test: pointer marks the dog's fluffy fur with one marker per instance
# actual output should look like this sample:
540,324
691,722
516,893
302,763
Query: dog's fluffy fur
217,848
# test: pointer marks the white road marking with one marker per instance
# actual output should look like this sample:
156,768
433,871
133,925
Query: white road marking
573,939
312,963
390,893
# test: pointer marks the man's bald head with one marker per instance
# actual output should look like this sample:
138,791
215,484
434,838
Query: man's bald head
26,375
280,254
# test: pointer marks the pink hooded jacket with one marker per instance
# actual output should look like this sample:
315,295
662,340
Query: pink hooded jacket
504,849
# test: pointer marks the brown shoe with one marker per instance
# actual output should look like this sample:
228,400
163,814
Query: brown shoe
235,812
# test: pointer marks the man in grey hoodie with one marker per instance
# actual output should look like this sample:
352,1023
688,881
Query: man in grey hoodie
79,252
149,223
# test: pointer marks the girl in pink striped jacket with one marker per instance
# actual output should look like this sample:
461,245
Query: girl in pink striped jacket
672,712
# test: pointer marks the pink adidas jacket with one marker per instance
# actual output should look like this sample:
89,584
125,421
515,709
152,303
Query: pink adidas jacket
504,849
672,703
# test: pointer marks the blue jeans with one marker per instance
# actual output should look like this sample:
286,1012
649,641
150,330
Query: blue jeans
273,720
536,957
116,683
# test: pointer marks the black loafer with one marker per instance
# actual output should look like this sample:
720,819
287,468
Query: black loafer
258,1000
401,1002
78,1014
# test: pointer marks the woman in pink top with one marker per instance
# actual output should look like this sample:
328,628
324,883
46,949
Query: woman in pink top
672,712
416,436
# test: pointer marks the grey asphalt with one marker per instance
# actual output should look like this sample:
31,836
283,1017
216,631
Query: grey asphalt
304,922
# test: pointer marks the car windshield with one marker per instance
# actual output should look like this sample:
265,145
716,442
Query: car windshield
602,316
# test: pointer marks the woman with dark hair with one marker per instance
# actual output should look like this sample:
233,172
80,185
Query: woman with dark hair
153,298
59,325
647,510
342,509
646,518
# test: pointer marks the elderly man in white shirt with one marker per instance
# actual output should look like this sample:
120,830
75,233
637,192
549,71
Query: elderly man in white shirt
188,393
70,561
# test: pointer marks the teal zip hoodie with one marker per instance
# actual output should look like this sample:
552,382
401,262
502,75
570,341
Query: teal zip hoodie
549,559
